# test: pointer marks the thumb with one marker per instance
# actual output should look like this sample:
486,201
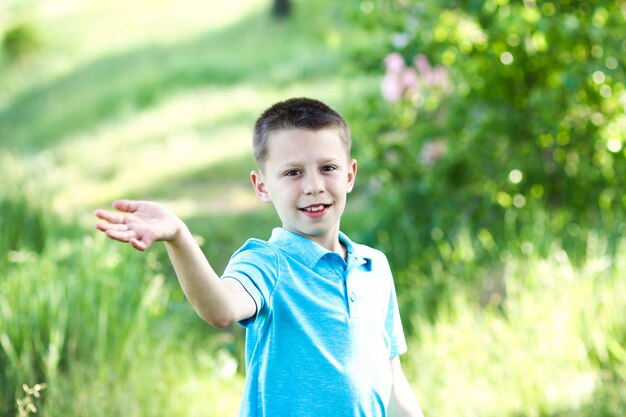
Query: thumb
140,245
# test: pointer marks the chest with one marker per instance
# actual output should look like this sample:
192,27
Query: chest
332,291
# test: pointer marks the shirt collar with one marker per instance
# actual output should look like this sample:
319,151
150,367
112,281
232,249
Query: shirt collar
311,252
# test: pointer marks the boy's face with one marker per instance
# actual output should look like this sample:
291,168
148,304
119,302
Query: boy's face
307,177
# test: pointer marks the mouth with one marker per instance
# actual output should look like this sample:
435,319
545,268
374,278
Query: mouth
315,210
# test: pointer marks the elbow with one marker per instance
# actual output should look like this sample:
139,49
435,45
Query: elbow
218,321
220,324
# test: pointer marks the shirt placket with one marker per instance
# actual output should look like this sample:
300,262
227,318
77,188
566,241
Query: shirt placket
352,293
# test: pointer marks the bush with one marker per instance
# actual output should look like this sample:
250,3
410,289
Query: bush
500,125
20,40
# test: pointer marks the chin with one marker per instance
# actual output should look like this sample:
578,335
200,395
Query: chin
304,231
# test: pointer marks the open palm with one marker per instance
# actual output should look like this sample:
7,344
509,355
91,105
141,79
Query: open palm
140,223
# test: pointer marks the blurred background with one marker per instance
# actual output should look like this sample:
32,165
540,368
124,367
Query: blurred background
490,139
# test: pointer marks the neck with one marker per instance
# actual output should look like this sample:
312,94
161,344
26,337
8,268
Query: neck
335,246
329,241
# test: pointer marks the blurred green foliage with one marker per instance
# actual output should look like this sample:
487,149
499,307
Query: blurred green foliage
91,321
509,130
498,133
492,180
21,225
20,40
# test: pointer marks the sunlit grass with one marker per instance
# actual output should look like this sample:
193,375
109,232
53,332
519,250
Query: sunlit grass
551,345
535,353
173,381
156,99
87,317
254,50
157,108
78,32
109,26
139,155
121,103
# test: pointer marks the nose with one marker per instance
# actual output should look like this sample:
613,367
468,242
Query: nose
313,184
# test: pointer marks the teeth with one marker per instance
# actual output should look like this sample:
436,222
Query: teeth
315,208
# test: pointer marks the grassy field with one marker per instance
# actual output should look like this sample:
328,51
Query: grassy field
156,100
148,100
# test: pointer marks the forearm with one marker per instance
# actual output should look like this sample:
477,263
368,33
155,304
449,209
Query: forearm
212,298
403,402
142,223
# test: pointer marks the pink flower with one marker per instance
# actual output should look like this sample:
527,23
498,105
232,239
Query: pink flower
416,82
422,64
394,62
391,87
409,78
439,77
432,151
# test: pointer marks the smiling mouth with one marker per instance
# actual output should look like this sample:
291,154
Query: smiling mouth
315,208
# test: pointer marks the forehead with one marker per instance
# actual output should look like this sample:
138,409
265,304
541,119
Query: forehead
287,142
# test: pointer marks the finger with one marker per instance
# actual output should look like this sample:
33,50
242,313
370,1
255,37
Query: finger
147,240
127,206
120,235
144,242
110,216
138,244
104,226
112,226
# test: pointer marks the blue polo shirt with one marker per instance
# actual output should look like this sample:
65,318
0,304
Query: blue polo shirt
324,331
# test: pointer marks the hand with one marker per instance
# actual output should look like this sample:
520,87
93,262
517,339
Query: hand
140,223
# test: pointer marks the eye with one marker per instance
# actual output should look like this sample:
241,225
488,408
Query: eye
329,168
292,173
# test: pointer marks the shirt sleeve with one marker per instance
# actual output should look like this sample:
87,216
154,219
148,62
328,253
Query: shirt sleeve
254,265
393,322
393,325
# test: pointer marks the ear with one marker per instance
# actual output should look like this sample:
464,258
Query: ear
259,186
351,174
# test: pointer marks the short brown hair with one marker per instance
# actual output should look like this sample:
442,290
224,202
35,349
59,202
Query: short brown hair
296,113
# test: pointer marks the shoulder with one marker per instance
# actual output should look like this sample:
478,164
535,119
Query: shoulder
256,250
255,244
255,263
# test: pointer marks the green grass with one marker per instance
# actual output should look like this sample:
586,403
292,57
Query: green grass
254,52
87,319
164,112
155,101
141,114
537,352
109,332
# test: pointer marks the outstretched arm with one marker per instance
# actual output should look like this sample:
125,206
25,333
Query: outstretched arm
403,402
142,223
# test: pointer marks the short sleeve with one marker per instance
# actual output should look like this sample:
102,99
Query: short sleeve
393,326
254,265
393,323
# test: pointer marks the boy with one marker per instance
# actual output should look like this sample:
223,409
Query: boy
323,331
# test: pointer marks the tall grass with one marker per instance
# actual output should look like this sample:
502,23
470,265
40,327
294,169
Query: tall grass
552,346
106,330
85,317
